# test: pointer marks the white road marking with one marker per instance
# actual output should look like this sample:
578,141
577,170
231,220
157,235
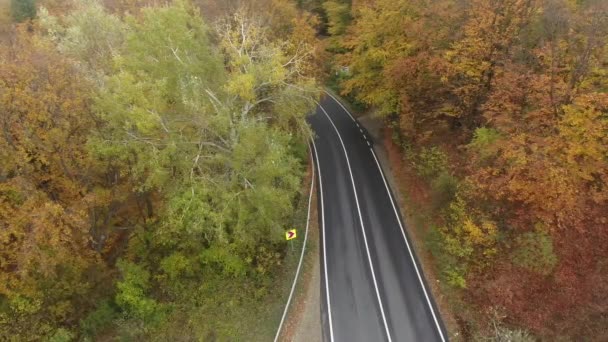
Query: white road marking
341,105
369,258
402,230
331,328
368,144
295,279
426,295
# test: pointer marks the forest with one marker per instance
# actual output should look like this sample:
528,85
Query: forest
152,153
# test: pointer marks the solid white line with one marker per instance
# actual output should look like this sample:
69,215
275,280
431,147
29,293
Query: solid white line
369,258
402,230
341,105
331,328
295,279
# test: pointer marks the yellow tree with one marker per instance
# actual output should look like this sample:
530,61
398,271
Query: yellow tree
377,37
47,265
491,29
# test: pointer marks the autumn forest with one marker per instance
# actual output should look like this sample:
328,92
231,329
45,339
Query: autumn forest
152,153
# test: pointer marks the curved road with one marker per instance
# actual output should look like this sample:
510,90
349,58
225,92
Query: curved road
372,287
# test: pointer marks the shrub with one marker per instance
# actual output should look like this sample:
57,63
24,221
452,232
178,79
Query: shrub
455,276
132,292
223,260
501,333
22,10
175,266
430,163
451,270
444,188
62,335
98,319
534,251
463,243
483,143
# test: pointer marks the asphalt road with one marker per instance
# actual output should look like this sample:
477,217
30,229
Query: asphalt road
372,287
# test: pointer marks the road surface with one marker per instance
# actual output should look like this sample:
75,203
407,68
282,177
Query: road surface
372,287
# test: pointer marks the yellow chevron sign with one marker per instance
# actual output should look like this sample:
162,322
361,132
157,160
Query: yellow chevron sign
290,234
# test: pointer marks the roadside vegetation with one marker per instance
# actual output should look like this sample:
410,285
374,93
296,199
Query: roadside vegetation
152,153
499,113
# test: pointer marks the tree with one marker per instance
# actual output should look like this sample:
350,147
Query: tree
491,30
48,269
377,39
338,17
214,135
88,34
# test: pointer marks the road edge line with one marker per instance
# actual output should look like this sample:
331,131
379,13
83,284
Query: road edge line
295,280
341,105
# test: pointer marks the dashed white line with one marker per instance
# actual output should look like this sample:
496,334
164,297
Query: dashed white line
369,258
331,329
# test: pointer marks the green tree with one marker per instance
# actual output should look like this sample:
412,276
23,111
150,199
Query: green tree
88,34
212,132
132,292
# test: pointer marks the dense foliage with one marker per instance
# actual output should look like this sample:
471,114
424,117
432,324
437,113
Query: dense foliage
502,108
150,161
